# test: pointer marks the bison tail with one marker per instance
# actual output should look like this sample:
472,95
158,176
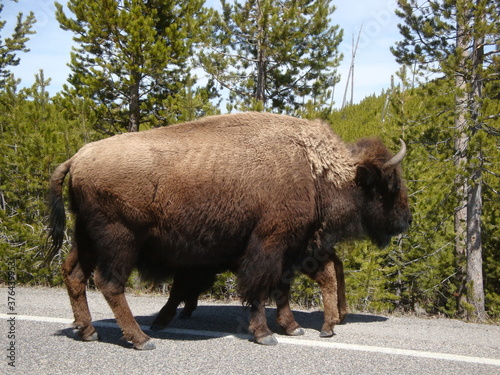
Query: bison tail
57,215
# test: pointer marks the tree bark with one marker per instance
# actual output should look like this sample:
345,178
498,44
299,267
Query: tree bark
475,294
134,105
461,144
260,93
468,163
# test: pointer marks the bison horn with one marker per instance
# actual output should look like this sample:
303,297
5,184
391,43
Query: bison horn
396,159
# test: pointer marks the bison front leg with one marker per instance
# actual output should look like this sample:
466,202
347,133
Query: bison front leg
260,272
330,279
177,295
285,316
258,325
167,312
187,286
341,297
190,304
327,281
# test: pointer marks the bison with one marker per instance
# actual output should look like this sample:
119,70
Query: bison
261,193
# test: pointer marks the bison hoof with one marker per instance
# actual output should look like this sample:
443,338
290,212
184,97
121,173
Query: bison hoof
326,333
86,333
267,340
92,337
296,332
148,345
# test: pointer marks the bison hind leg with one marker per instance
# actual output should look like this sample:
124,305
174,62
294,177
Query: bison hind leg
113,290
117,257
76,270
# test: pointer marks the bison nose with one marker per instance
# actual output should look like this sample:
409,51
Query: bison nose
405,224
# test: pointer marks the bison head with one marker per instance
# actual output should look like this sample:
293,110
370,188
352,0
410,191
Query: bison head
384,199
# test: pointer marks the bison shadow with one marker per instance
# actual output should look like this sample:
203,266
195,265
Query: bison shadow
211,322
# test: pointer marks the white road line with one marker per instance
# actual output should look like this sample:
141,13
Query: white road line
284,340
393,351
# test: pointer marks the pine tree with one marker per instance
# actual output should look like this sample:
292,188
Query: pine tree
274,55
424,262
15,43
132,59
459,39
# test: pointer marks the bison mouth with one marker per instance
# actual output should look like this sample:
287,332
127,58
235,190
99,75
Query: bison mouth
382,240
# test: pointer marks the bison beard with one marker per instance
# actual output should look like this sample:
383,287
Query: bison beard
255,192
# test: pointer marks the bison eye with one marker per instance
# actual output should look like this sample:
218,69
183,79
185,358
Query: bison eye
394,183
396,187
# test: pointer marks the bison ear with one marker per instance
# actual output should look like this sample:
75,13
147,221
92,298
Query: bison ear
367,175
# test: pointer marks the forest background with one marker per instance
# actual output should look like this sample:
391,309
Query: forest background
132,69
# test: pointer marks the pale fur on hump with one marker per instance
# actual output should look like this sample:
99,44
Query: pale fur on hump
328,154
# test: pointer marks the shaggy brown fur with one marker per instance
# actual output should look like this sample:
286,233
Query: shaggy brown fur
257,192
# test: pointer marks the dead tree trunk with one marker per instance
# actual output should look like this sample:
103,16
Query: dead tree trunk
260,89
475,294
461,143
469,166
134,104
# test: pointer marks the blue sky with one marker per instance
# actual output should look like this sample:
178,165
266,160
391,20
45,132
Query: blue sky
374,64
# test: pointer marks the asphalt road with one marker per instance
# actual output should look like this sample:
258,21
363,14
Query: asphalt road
215,341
